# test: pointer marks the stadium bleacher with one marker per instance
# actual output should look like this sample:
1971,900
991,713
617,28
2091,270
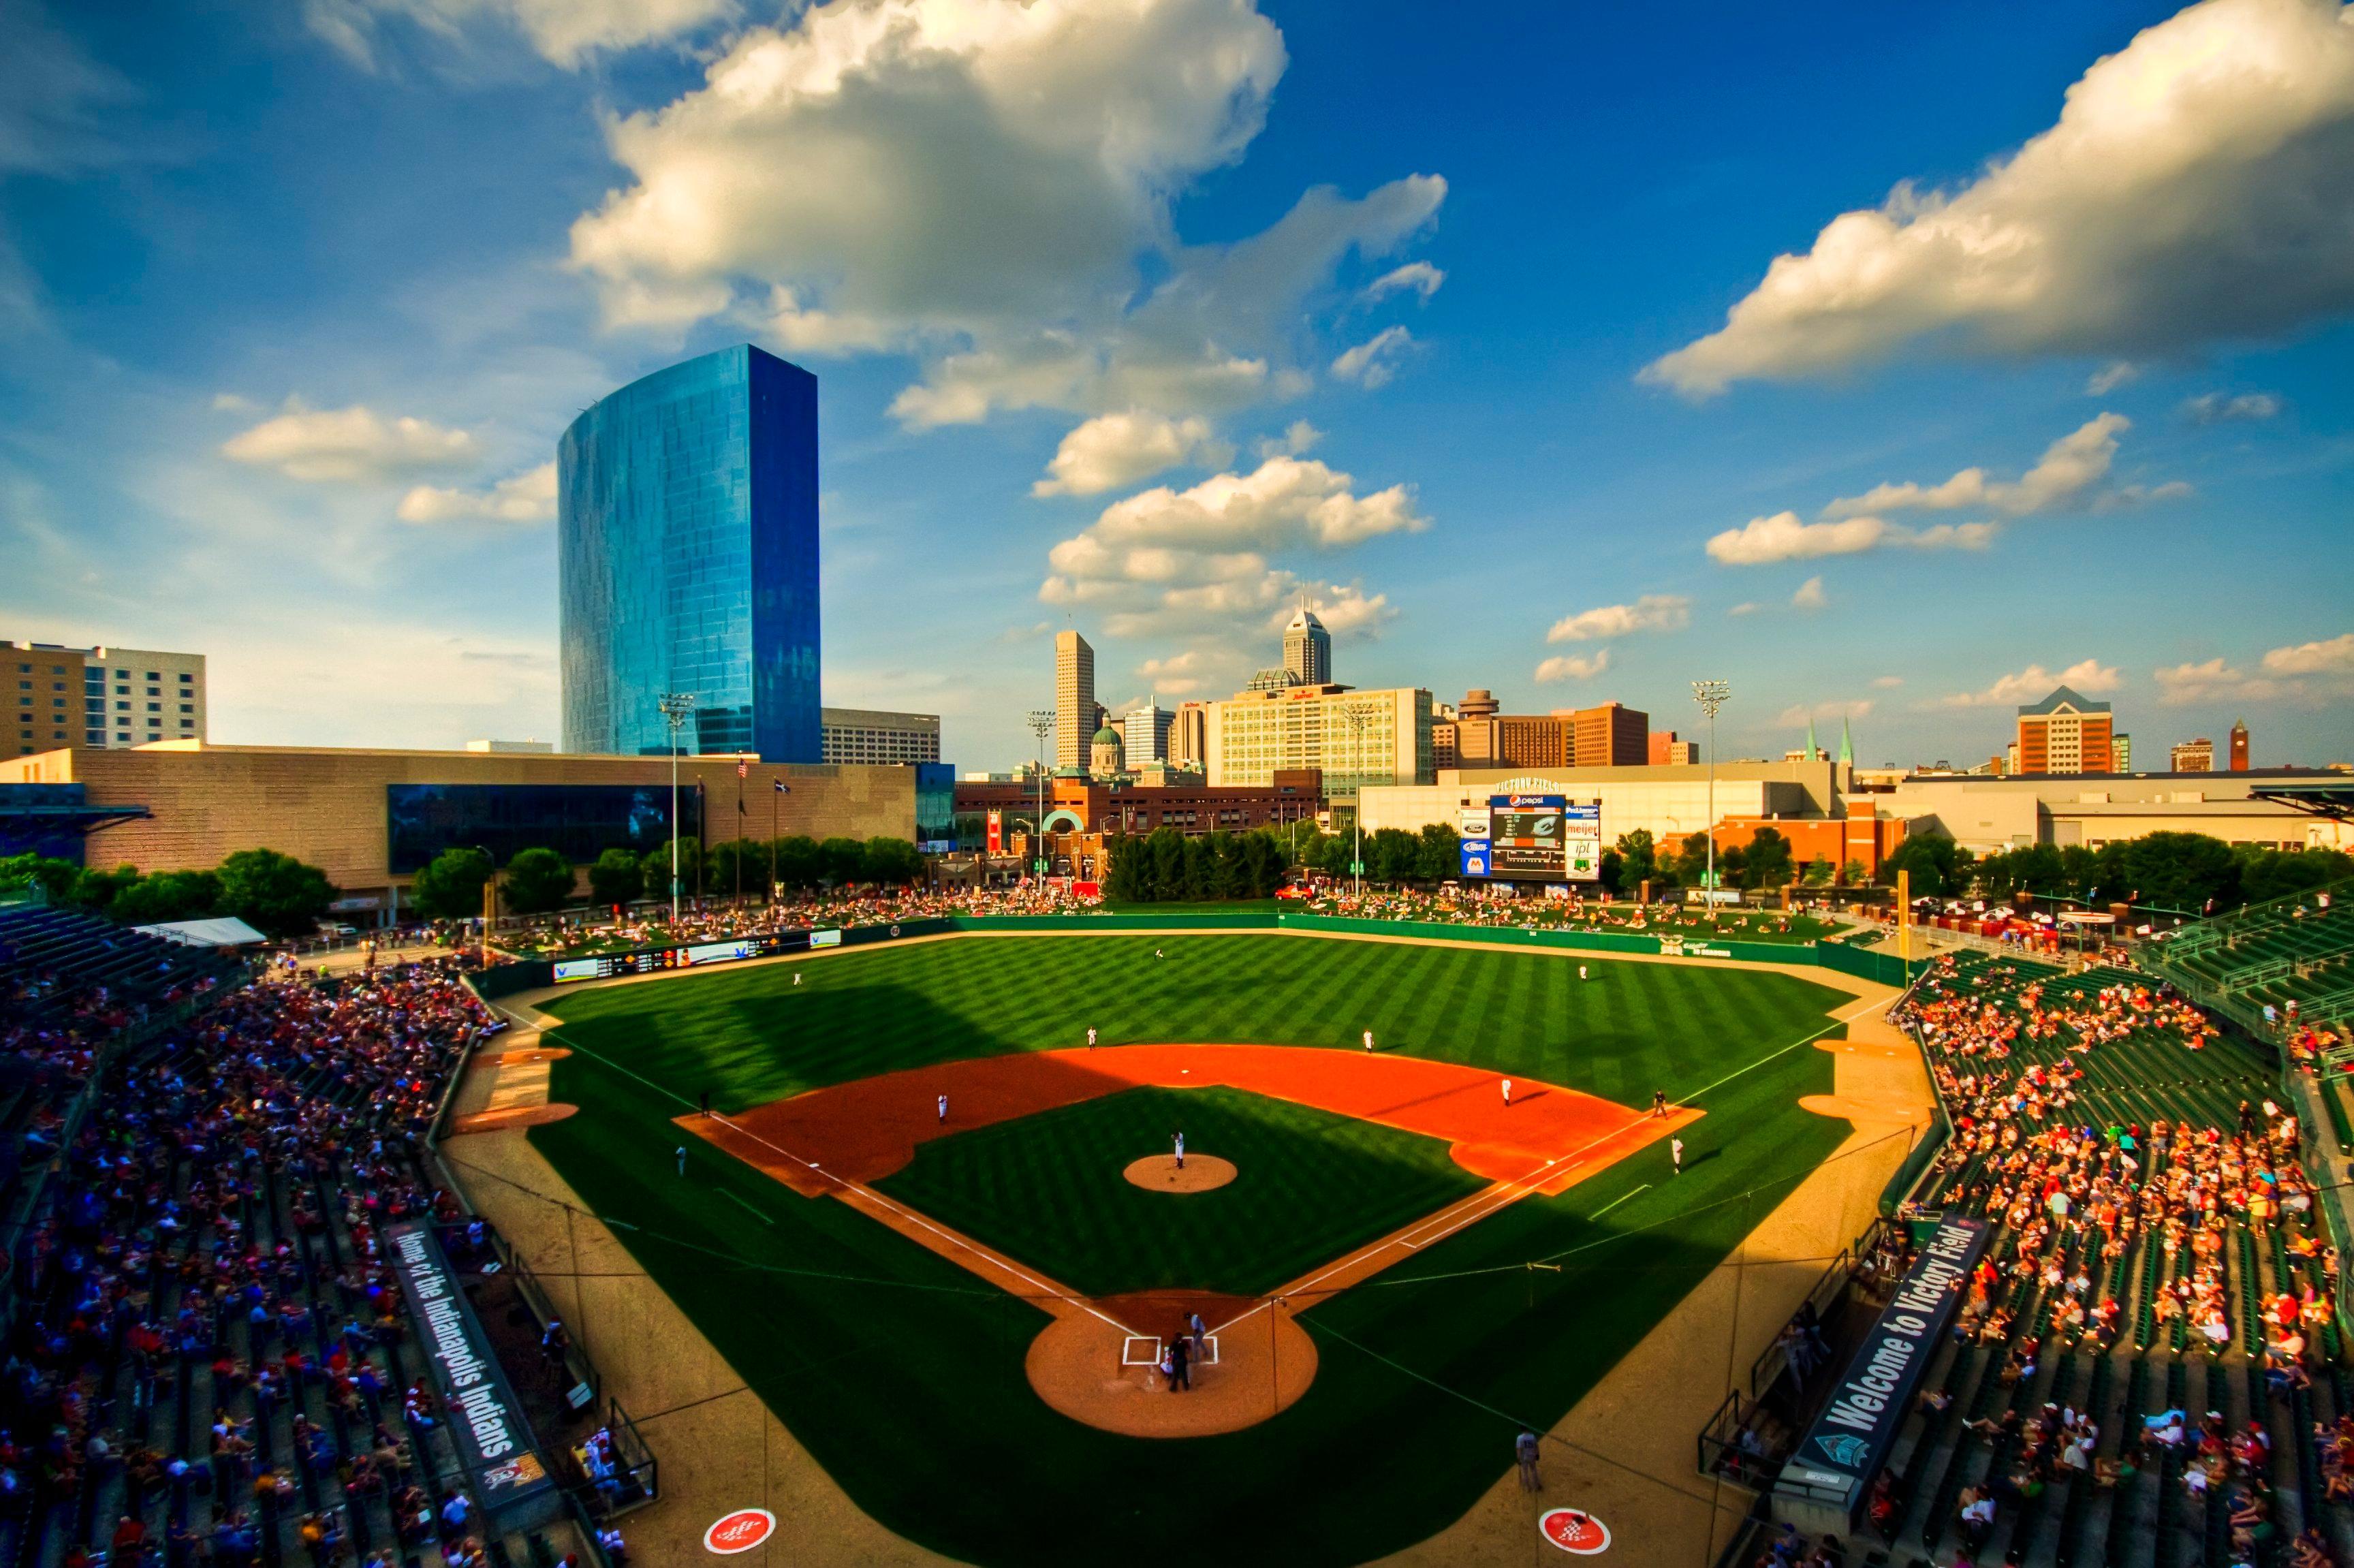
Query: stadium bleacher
2184,1267
2273,967
210,1362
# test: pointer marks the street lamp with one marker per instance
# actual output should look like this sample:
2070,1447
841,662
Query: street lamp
1710,696
675,706
1041,725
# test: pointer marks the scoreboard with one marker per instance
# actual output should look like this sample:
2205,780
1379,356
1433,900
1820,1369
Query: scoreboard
1545,838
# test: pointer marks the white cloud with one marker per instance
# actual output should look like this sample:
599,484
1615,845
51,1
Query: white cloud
1783,537
2089,677
1809,596
987,185
2194,188
2068,471
1171,560
1374,361
1573,666
349,444
1748,607
1115,450
1180,675
1799,713
1299,437
2215,408
528,497
1652,612
1420,277
2110,376
2333,657
2213,681
565,32
1888,682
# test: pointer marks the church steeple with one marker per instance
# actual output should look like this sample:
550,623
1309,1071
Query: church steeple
1847,745
1813,750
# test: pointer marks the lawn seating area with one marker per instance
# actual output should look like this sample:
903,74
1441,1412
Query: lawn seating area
2157,1250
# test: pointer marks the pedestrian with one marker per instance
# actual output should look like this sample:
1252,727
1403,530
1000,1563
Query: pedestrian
681,1159
1091,1037
1508,1094
1369,1040
1180,1150
944,1111
1659,1102
1676,1153
1524,1450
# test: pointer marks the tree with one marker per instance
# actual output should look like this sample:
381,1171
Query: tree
1853,875
97,890
735,864
274,894
1766,860
2267,874
1391,855
1440,853
894,863
2189,872
539,880
51,875
616,876
657,868
1818,873
796,861
168,895
1691,860
1939,865
1638,860
841,862
450,888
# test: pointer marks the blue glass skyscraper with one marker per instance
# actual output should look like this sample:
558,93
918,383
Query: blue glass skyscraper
686,508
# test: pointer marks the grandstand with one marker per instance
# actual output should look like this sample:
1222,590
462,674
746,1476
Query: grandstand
2158,1286
2292,956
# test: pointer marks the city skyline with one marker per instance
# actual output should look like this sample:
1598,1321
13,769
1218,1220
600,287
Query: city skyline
1499,386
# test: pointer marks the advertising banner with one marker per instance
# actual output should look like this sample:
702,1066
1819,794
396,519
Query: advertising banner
1545,837
997,832
483,1418
1475,857
1851,1440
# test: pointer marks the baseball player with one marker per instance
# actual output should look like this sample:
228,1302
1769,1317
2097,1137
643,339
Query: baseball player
1508,1094
1369,1040
944,1111
1181,1151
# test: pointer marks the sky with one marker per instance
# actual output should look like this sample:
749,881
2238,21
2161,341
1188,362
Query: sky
1892,363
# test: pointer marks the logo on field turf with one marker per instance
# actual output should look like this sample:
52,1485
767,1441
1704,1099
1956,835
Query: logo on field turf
1574,1530
739,1531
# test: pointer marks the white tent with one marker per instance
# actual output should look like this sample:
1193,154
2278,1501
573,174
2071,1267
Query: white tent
226,932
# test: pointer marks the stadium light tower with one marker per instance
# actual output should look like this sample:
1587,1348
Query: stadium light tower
1041,725
1710,696
675,706
1358,719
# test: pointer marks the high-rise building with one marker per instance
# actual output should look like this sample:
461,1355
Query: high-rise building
2120,753
865,735
1664,750
1612,735
1075,700
104,697
2239,744
1189,734
1145,734
2066,733
1307,649
2191,757
1354,738
687,561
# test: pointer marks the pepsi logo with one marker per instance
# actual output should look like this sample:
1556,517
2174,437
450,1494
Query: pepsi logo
1574,1530
739,1531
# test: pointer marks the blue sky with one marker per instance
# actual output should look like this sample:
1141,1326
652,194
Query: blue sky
1149,317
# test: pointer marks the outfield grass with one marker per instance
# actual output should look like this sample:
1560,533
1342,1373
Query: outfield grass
1310,1185
902,1375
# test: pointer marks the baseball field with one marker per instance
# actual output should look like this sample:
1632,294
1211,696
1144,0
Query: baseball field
1407,1269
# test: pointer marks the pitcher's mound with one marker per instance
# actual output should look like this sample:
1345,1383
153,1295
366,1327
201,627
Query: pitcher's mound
1159,1172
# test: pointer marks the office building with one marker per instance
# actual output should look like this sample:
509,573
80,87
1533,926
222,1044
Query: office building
2064,733
1144,734
2239,745
863,735
2121,752
1186,805
1611,736
1307,649
1076,719
2191,757
1189,734
687,561
105,697
1352,739
1664,750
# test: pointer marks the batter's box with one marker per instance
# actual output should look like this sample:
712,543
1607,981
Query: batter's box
1151,1355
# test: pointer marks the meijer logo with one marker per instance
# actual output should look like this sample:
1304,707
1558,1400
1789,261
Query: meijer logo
1574,1530
739,1531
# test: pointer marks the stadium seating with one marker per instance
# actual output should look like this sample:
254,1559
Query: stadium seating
2295,949
2112,1054
208,1345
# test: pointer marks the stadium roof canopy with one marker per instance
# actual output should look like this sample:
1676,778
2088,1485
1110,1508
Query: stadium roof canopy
2334,799
228,931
